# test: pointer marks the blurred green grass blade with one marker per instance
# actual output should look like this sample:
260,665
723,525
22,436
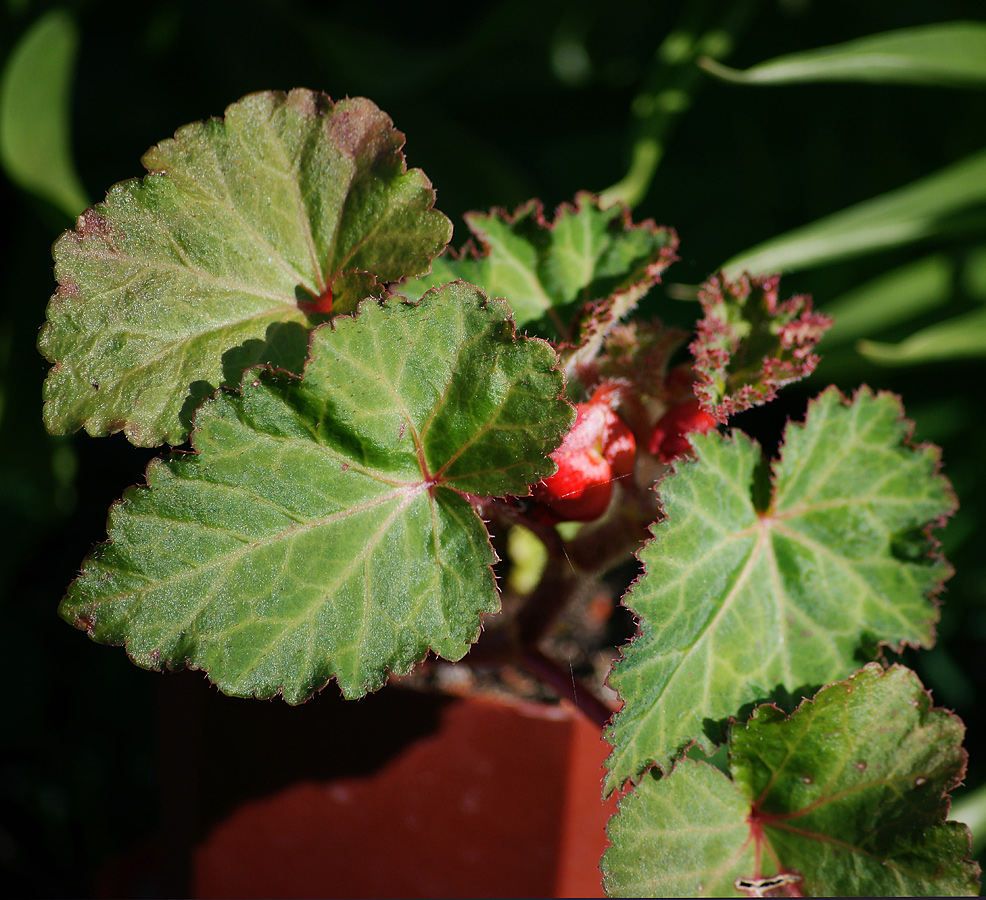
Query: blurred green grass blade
970,809
973,277
950,54
956,338
35,93
929,205
890,299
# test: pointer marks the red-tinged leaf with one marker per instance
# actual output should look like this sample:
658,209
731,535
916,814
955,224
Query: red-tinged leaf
245,233
750,343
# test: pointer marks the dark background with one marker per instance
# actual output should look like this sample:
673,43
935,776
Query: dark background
501,102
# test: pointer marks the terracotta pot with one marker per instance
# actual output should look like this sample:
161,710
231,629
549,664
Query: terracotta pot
399,794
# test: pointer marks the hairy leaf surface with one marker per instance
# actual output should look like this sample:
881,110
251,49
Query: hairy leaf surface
751,589
750,343
845,798
586,258
319,529
244,234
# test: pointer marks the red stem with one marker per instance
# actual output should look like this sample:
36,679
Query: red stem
567,686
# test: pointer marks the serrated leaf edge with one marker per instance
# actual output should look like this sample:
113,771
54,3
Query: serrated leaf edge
934,553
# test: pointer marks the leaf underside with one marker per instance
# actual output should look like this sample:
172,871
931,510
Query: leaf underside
845,798
244,232
743,600
320,529
587,265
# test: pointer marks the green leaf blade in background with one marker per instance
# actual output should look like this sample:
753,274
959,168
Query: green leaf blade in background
175,284
949,54
738,602
584,257
944,202
959,337
35,114
846,797
311,535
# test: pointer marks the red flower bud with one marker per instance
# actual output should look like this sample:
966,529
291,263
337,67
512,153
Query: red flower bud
599,449
669,440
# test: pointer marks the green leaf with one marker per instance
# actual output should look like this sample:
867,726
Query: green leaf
750,343
950,54
587,260
845,798
245,231
320,529
746,597
35,94
959,337
931,205
891,298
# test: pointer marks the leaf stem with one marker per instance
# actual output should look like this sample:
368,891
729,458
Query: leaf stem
669,88
567,686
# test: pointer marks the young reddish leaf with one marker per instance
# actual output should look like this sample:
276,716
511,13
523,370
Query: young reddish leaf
320,528
246,232
587,260
750,343
745,594
847,797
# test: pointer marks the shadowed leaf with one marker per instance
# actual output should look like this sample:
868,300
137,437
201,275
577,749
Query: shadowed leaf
35,93
845,798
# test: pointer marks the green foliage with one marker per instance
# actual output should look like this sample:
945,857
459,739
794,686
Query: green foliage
846,797
742,597
35,90
586,260
945,200
952,54
245,231
319,529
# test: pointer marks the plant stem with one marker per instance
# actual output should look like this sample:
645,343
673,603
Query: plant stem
567,686
669,89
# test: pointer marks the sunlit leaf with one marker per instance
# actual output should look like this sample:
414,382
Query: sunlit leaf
569,278
752,588
845,798
244,234
321,528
